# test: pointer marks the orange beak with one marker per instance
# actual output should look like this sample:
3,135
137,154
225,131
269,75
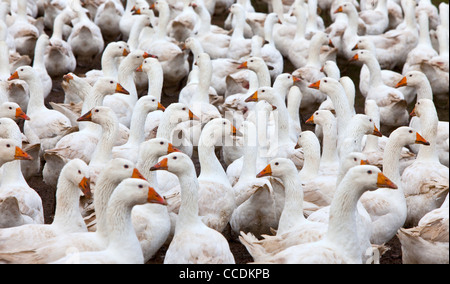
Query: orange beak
152,6
364,162
139,69
15,75
147,55
354,58
21,155
315,85
355,47
137,12
233,130
21,114
376,132
310,120
267,171
85,186
67,77
171,149
295,79
125,52
252,98
322,69
193,116
137,174
86,117
421,140
413,113
133,9
338,10
383,181
120,89
161,165
154,197
160,107
330,43
402,83
243,65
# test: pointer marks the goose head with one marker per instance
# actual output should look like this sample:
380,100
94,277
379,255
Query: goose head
413,79
278,167
176,163
148,65
10,152
156,146
119,169
263,93
203,61
253,63
285,81
237,9
364,43
25,73
101,115
422,107
331,69
179,112
354,159
326,85
346,8
366,124
215,129
363,55
321,117
150,103
135,58
369,178
77,172
137,191
13,111
307,139
109,86
407,136
117,49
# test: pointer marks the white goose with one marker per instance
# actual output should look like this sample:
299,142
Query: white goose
10,152
74,176
123,246
425,181
193,241
25,204
107,18
49,125
59,57
39,63
339,245
216,196
239,46
387,209
419,82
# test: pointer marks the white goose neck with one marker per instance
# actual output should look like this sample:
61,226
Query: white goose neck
329,152
374,70
137,125
36,101
164,17
103,151
250,155
205,20
205,75
126,79
103,191
39,54
311,164
391,159
188,212
122,235
424,32
12,174
292,213
155,81
314,53
67,212
424,90
342,222
429,126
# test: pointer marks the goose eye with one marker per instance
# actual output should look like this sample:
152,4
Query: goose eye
96,110
369,172
111,82
370,120
410,131
126,166
153,100
10,107
410,75
354,159
79,172
263,91
224,123
175,157
162,143
7,145
138,56
325,81
140,186
276,164
21,69
184,108
120,47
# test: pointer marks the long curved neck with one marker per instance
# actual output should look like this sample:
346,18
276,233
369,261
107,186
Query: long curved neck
329,152
164,17
205,74
103,191
188,212
122,235
292,212
282,117
39,54
391,159
238,30
166,125
294,101
312,15
301,24
135,31
210,167
205,19
126,79
67,212
103,151
268,31
36,101
429,125
148,159
343,111
137,125
311,163
109,66
155,82
352,27
250,154
342,222
314,53
424,32
374,70
263,77
424,90
409,15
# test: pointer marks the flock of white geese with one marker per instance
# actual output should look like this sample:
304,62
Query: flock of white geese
229,152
